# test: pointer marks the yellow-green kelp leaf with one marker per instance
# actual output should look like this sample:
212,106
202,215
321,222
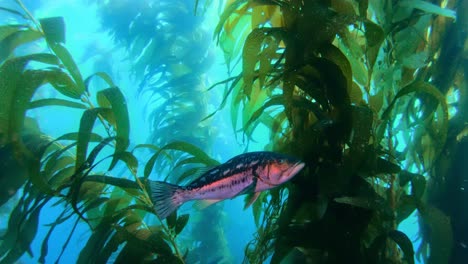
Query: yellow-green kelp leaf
86,126
184,147
374,37
104,76
55,102
25,89
181,223
27,229
252,54
114,98
421,87
70,65
226,14
9,43
16,90
428,8
54,29
63,83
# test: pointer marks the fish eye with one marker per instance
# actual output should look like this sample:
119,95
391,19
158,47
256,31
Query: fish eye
282,161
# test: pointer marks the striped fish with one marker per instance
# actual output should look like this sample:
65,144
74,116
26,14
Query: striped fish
251,172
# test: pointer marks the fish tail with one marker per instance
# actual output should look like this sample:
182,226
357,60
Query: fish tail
165,197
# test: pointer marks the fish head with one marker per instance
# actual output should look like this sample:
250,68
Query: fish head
279,169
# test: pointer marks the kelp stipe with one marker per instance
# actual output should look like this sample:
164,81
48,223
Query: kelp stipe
355,89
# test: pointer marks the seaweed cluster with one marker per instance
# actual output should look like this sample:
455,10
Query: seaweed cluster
76,171
371,95
357,89
170,53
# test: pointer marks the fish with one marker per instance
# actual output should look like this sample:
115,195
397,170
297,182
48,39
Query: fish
248,173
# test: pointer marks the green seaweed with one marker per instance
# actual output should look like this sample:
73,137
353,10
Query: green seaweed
343,92
347,85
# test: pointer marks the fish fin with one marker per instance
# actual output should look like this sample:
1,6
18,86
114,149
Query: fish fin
202,204
251,199
163,197
249,189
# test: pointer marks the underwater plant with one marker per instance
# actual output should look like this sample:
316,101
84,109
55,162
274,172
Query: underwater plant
356,89
170,53
371,95
76,171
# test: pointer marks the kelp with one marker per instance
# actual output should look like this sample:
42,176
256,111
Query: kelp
356,90
169,51
62,171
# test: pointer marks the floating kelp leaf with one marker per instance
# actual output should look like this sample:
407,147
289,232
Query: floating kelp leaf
226,14
181,223
86,125
95,243
54,29
104,76
90,190
16,89
7,30
15,39
14,173
129,159
75,135
428,8
54,165
45,242
134,251
251,54
160,246
404,243
421,87
63,83
118,182
191,160
374,37
70,65
27,232
122,124
55,102
256,207
184,147
417,60
95,203
334,54
274,100
171,220
61,178
353,51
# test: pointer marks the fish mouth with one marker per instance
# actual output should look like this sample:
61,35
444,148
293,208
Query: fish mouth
296,168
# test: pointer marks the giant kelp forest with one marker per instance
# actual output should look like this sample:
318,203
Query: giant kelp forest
371,95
